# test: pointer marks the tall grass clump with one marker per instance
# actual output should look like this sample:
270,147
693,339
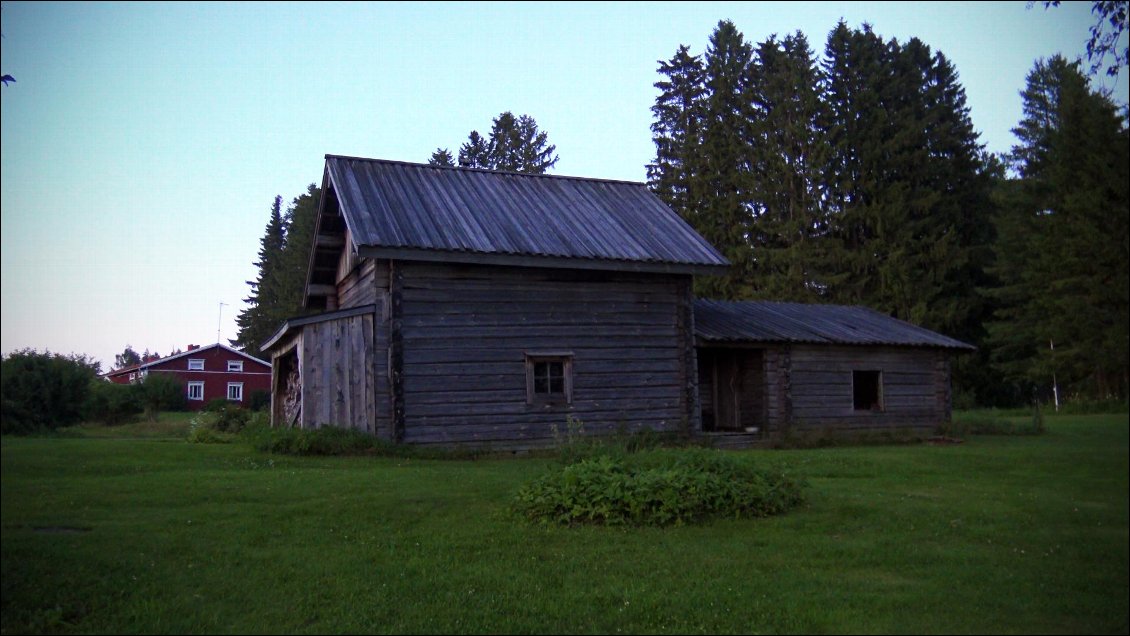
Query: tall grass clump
658,487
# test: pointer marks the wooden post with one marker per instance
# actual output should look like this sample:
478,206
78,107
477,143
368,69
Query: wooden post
691,405
396,349
786,371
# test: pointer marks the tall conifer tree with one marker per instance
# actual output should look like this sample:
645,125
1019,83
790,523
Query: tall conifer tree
677,133
255,321
724,184
786,159
1063,249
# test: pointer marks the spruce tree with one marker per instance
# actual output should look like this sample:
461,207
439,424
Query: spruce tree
474,153
301,217
677,133
786,159
724,183
441,157
515,145
1063,249
256,320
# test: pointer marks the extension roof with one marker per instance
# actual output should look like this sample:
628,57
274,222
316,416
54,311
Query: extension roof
773,322
410,211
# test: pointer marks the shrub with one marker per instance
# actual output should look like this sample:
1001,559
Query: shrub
656,488
231,418
259,400
112,404
202,430
216,405
43,390
162,392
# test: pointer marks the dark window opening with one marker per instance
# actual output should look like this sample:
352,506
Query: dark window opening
549,378
867,390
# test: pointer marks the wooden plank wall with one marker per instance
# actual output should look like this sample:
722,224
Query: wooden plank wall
466,330
915,387
339,386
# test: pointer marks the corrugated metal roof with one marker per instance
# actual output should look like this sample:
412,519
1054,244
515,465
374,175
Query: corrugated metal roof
755,321
398,206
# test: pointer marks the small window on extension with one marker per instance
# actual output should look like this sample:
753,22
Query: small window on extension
549,378
867,390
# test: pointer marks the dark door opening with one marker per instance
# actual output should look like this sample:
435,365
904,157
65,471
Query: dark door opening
732,390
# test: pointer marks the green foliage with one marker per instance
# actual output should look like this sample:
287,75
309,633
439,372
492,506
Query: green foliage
112,404
857,178
796,437
656,488
128,357
259,400
227,417
442,157
284,256
332,440
260,317
515,145
162,392
573,444
319,441
202,430
43,391
1063,300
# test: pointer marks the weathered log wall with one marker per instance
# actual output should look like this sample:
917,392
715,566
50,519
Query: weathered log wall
915,387
465,332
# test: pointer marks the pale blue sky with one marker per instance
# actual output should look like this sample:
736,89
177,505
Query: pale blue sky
143,143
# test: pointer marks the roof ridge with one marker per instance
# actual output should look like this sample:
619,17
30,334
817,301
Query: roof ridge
488,171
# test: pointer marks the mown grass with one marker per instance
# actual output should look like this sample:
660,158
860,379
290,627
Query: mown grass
151,534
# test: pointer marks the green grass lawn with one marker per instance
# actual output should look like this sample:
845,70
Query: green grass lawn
134,530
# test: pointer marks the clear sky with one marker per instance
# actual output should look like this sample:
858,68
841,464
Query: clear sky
143,143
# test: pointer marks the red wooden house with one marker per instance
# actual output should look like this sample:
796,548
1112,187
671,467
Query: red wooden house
208,372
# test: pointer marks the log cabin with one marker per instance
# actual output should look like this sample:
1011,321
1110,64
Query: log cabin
467,307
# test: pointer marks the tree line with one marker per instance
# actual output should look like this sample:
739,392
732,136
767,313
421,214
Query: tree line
856,177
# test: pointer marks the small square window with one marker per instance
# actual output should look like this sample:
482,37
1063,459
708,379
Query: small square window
195,364
549,378
235,366
867,390
235,391
196,390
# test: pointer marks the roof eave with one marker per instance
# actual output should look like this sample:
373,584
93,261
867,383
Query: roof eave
538,260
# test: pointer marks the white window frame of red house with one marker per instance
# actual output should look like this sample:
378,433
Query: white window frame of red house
196,364
239,387
200,393
235,366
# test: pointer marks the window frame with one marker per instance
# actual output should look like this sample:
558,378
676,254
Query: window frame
235,385
235,366
550,398
195,384
196,361
878,405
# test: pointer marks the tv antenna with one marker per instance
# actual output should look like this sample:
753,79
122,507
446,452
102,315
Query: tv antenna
219,321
